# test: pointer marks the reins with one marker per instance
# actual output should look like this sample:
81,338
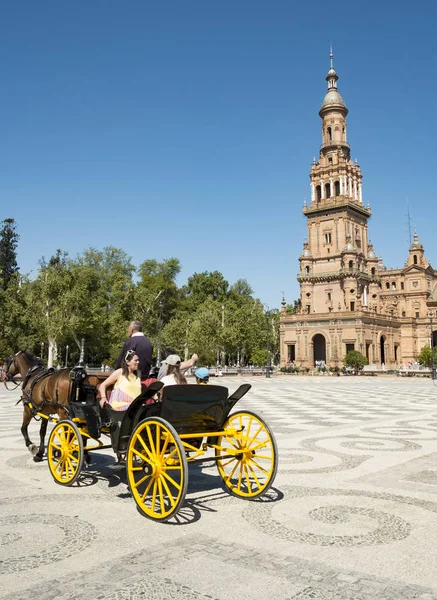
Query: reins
6,378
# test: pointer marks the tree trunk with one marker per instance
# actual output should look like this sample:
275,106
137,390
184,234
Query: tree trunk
52,353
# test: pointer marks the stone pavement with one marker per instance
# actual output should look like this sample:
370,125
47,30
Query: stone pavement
352,513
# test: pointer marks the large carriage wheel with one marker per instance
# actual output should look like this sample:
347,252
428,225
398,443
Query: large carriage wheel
65,452
248,462
157,468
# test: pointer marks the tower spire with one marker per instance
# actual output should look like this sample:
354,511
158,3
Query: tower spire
331,57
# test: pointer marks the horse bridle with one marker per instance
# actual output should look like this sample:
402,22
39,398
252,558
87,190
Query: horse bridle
7,377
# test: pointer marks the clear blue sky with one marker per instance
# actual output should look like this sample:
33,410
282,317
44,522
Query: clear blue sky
188,129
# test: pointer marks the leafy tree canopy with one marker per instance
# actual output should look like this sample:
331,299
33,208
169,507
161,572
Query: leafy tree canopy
8,251
355,360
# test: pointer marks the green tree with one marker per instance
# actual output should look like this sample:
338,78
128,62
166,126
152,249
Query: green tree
355,360
294,308
156,296
8,251
202,286
425,356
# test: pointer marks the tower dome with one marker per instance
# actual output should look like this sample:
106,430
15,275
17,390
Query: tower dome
333,99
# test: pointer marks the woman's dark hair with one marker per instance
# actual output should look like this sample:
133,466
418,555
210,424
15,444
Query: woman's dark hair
176,371
125,368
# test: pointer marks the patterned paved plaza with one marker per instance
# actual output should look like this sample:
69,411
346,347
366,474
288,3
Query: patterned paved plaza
352,514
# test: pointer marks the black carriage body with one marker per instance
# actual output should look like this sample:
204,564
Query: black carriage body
83,404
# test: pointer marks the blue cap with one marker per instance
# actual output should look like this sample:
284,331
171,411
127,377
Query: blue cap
202,373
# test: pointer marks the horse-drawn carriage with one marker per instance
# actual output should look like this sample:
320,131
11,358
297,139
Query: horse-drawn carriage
160,438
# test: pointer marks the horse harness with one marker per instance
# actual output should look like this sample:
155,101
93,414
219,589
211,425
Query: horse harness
38,372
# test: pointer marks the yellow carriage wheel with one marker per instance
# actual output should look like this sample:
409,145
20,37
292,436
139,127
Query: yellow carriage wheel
65,452
157,468
248,455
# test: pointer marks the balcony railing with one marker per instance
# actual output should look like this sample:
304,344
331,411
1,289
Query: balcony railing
334,143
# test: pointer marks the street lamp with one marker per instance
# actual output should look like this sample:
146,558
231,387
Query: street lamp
267,347
66,356
42,350
430,315
158,357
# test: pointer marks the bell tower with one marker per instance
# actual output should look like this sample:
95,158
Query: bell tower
333,272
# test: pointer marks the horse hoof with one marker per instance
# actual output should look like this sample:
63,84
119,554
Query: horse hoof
32,448
37,458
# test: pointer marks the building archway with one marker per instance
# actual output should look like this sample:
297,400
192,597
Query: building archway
383,349
319,348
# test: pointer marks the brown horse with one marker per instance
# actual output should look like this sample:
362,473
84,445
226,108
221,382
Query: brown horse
47,390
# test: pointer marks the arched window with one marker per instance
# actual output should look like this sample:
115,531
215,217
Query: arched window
329,132
337,188
351,264
373,271
393,285
328,190
387,285
415,259
318,193
307,270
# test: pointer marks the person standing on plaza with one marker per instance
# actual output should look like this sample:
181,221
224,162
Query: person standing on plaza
142,346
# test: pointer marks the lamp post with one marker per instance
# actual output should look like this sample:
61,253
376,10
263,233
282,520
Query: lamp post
430,315
66,356
267,347
42,350
186,339
158,356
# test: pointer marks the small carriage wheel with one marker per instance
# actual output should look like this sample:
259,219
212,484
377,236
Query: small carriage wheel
248,459
157,468
65,452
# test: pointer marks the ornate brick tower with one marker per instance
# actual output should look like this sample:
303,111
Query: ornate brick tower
333,273
349,299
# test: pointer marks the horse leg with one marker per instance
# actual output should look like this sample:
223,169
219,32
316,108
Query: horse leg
27,417
42,434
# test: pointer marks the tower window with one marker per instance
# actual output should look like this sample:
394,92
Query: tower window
387,285
329,295
328,238
352,306
329,160
318,193
373,271
351,264
337,188
308,308
417,315
393,285
402,285
415,259
328,190
307,270
329,132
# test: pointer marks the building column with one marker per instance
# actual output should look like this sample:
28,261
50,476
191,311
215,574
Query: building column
340,179
312,192
360,192
322,187
365,295
355,190
331,185
350,187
